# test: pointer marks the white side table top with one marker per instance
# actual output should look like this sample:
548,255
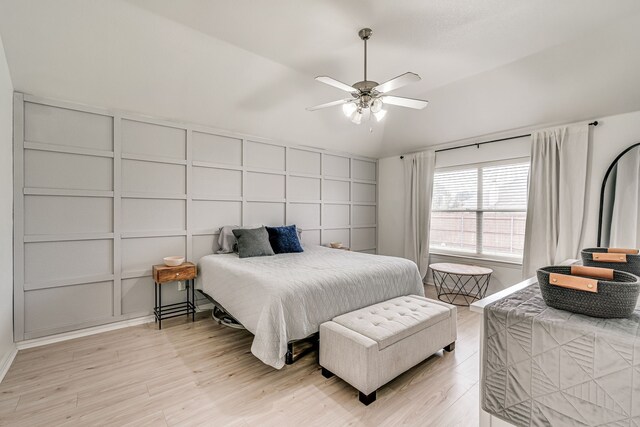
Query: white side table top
461,269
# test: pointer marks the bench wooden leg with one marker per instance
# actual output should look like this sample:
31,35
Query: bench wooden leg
450,347
367,399
326,373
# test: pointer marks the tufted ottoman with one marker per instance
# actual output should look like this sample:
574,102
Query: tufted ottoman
371,346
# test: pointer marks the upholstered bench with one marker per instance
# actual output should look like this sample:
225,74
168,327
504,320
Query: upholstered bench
371,346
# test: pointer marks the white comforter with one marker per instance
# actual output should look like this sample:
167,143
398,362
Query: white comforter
286,297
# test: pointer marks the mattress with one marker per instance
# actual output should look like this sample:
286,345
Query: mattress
287,296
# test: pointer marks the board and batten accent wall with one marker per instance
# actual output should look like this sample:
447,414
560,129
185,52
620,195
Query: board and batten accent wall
102,195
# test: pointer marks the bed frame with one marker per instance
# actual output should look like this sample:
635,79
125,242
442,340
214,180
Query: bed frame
223,317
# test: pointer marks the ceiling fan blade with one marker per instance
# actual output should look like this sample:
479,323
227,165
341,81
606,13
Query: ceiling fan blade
400,101
335,83
330,104
397,82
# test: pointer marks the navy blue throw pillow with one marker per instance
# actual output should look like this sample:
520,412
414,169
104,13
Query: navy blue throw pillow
284,240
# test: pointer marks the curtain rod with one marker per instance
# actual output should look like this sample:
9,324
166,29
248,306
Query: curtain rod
478,144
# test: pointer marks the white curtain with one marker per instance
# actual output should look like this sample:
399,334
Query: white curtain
625,230
418,179
557,191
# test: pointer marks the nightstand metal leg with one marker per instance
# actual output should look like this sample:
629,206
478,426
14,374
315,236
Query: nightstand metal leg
159,307
193,299
187,288
155,302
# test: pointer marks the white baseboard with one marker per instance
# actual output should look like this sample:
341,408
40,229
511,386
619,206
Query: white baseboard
7,361
65,336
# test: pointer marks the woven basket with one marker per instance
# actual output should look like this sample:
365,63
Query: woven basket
615,258
597,292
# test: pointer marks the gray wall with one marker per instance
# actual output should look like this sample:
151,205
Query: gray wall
106,195
6,213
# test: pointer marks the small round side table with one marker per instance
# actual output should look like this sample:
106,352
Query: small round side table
460,284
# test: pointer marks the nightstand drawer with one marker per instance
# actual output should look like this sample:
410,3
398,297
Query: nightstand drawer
163,274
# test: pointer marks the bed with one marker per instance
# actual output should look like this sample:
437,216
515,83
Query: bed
285,297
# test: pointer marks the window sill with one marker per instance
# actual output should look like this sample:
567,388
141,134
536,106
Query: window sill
477,258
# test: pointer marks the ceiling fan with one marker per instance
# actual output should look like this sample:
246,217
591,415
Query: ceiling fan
369,96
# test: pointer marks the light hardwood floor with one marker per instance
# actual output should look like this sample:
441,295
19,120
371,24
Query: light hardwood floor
204,374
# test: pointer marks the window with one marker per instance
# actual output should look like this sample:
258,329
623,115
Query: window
480,210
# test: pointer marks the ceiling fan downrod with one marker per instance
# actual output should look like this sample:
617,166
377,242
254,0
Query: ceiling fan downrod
365,34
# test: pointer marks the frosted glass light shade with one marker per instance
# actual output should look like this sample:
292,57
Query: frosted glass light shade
380,114
356,117
376,105
349,108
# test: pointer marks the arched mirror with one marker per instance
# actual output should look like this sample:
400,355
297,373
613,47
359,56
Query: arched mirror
619,220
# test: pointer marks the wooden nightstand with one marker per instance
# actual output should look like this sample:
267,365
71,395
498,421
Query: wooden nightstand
163,274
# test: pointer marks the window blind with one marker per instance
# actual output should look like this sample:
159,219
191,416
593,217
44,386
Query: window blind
480,210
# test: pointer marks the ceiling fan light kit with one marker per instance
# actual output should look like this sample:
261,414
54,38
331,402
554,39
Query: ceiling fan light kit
369,97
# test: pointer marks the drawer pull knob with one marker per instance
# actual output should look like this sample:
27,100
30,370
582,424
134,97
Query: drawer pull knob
177,274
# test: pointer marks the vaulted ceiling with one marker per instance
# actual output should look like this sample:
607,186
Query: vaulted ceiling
487,66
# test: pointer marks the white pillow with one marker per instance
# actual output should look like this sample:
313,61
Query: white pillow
227,241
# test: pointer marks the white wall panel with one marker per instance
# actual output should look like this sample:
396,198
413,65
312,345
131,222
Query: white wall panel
210,215
311,237
363,192
217,149
363,238
204,245
336,235
152,178
60,215
213,182
335,191
336,215
153,140
363,214
111,194
72,128
302,188
265,213
48,309
139,254
54,261
304,215
46,169
362,169
337,166
264,186
302,161
153,214
264,156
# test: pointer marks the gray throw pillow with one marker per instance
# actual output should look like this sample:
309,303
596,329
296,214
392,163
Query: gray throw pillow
253,242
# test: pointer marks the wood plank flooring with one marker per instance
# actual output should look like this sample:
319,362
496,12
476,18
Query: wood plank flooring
204,374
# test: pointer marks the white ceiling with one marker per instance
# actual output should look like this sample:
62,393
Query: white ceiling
487,66
442,40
